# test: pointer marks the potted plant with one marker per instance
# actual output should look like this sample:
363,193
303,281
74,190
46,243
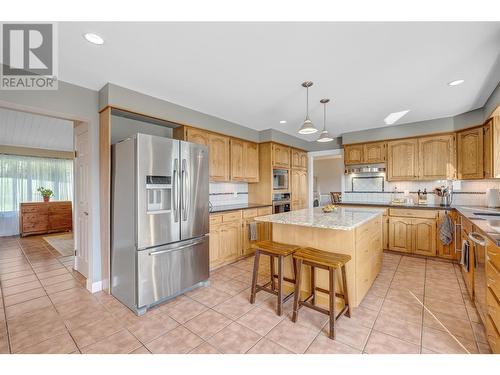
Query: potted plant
46,193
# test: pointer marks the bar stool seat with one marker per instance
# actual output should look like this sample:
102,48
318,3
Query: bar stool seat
328,261
273,250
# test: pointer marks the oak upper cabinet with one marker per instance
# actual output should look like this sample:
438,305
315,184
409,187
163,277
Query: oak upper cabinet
437,157
353,154
424,237
299,159
400,234
488,149
281,156
402,160
244,161
470,154
299,189
218,151
375,152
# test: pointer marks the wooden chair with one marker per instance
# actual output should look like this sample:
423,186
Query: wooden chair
273,250
327,261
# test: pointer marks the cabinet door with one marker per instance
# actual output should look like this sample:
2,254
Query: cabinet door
353,154
263,233
436,157
374,152
230,241
197,136
446,251
296,158
488,149
400,234
237,160
303,189
303,160
470,154
385,232
402,160
424,237
215,245
251,164
281,156
218,157
295,188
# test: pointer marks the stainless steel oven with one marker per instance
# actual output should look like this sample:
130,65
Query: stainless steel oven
280,179
281,206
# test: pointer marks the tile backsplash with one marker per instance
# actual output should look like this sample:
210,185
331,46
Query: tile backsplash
225,193
465,192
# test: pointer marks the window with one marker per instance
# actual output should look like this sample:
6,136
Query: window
21,176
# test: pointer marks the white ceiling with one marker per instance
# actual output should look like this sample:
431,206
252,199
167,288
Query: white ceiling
250,73
29,130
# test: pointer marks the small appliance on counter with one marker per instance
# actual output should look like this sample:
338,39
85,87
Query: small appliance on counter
422,197
493,198
445,194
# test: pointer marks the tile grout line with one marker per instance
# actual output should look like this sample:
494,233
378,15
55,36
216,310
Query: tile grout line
47,295
383,302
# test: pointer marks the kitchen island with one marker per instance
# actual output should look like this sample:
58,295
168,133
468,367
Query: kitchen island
353,231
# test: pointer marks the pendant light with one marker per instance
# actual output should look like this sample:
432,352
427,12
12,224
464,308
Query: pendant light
325,136
307,127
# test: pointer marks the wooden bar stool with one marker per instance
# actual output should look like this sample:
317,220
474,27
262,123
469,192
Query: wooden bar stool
273,250
327,261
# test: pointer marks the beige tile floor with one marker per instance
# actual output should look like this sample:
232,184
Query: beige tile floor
45,309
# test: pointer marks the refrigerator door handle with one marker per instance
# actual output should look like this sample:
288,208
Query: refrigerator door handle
170,249
176,189
185,190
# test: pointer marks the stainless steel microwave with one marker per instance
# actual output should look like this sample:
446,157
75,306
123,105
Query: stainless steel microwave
280,179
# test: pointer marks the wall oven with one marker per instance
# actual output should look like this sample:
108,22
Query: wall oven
280,179
281,206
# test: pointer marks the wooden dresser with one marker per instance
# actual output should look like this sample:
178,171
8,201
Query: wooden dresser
41,217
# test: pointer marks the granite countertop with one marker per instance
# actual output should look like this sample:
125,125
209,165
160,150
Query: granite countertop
235,207
490,225
382,204
342,218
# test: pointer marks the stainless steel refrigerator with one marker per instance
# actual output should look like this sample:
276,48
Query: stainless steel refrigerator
159,219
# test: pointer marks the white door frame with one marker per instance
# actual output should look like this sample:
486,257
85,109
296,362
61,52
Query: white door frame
310,170
76,213
91,286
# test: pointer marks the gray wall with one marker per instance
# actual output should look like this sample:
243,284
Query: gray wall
440,125
73,103
123,128
328,173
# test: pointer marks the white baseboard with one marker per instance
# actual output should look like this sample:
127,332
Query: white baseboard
94,287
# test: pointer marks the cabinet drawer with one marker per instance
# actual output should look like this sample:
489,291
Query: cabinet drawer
60,221
264,211
494,255
424,214
250,213
493,278
35,226
39,208
493,335
493,307
215,219
231,216
59,209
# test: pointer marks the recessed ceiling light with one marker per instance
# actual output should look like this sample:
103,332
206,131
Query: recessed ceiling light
395,116
283,122
456,83
93,38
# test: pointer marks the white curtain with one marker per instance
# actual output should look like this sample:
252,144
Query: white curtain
21,176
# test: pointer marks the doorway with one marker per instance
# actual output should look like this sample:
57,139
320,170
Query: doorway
326,176
38,151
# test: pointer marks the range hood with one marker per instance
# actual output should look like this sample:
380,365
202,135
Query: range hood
364,169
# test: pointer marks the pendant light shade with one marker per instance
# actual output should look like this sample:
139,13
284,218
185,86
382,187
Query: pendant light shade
324,136
307,127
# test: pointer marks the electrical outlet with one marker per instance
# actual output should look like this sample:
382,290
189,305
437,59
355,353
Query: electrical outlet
235,194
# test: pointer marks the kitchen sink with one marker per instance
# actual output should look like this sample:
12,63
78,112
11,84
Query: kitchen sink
487,214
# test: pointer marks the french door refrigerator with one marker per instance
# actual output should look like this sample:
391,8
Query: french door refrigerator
159,219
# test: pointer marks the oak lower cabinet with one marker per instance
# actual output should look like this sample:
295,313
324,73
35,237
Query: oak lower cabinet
442,250
299,189
244,161
280,156
264,230
402,160
225,239
492,323
470,150
413,235
437,157
45,217
353,154
385,231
